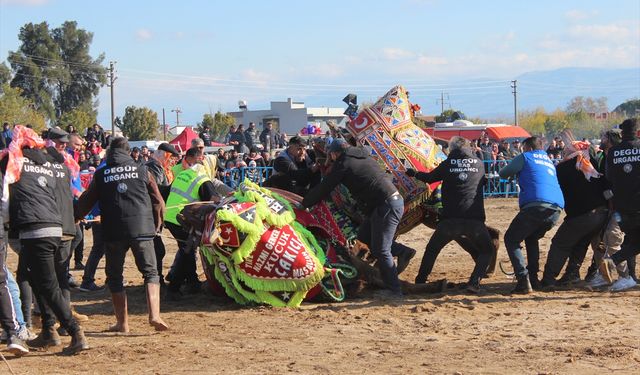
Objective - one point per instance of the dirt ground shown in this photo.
(567, 332)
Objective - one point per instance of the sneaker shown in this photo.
(535, 283)
(598, 281)
(16, 346)
(90, 287)
(25, 334)
(623, 283)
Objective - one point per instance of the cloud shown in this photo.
(432, 60)
(24, 2)
(396, 54)
(575, 15)
(143, 35)
(604, 32)
(254, 75)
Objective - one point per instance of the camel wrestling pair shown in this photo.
(259, 246)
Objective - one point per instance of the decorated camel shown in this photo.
(257, 247)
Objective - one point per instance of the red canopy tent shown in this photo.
(183, 141)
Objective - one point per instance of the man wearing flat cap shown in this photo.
(378, 199)
(295, 169)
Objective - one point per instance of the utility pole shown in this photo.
(178, 112)
(112, 80)
(164, 126)
(514, 86)
(442, 94)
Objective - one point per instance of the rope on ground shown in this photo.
(505, 272)
(7, 363)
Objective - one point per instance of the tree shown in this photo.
(588, 104)
(556, 122)
(54, 68)
(5, 75)
(138, 124)
(16, 109)
(81, 118)
(450, 115)
(533, 121)
(630, 108)
(218, 124)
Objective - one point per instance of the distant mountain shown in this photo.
(554, 89)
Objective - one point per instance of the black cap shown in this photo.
(56, 134)
(296, 140)
(168, 148)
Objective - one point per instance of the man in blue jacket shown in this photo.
(541, 202)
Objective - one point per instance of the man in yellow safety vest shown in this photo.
(195, 184)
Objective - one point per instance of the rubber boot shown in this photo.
(153, 305)
(119, 301)
(46, 338)
(78, 343)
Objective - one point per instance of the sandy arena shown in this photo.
(567, 332)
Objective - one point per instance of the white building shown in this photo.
(289, 117)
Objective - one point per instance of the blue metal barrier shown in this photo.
(497, 187)
(235, 176)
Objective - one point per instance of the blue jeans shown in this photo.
(529, 225)
(378, 231)
(96, 253)
(15, 297)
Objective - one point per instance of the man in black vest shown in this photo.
(462, 175)
(623, 171)
(132, 210)
(36, 215)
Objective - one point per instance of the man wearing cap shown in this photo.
(294, 169)
(205, 136)
(132, 212)
(623, 171)
(160, 167)
(376, 195)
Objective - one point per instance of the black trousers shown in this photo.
(39, 255)
(7, 317)
(474, 231)
(160, 251)
(184, 264)
(115, 252)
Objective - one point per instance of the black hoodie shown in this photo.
(366, 181)
(462, 176)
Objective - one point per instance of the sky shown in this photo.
(204, 56)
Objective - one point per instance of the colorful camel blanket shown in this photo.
(258, 253)
(397, 143)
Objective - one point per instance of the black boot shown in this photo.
(523, 286)
(78, 343)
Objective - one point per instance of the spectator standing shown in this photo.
(205, 135)
(251, 135)
(5, 138)
(238, 140)
(268, 138)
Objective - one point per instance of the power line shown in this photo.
(54, 61)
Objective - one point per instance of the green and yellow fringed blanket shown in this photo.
(258, 252)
